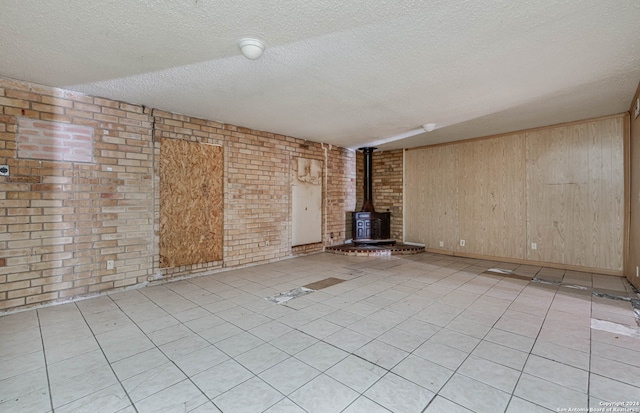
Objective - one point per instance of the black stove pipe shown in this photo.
(367, 205)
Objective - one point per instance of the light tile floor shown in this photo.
(423, 333)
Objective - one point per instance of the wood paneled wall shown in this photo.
(632, 267)
(431, 196)
(491, 209)
(575, 197)
(560, 187)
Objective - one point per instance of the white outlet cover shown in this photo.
(4, 170)
(462, 243)
(534, 246)
(441, 244)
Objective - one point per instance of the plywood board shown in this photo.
(306, 202)
(575, 194)
(431, 205)
(191, 191)
(491, 197)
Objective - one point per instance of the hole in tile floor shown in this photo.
(631, 295)
(327, 282)
(283, 297)
(507, 273)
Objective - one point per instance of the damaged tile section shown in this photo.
(615, 328)
(327, 282)
(507, 273)
(282, 298)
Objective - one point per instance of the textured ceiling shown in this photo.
(347, 73)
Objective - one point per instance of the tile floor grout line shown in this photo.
(213, 344)
(533, 345)
(437, 393)
(105, 356)
(46, 366)
(188, 377)
(380, 283)
(388, 371)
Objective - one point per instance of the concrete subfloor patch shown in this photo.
(615, 328)
(327, 282)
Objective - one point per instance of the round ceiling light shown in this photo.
(251, 48)
(429, 127)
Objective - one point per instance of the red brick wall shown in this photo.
(61, 221)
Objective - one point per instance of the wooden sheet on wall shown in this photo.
(190, 203)
(575, 201)
(431, 200)
(491, 206)
(550, 195)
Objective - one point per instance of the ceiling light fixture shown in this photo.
(429, 127)
(251, 48)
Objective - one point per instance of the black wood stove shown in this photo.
(369, 226)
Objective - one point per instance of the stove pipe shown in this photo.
(367, 205)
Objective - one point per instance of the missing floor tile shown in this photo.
(615, 328)
(612, 295)
(282, 298)
(327, 282)
(632, 297)
(507, 273)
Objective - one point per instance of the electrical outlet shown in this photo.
(4, 170)
(534, 246)
(441, 243)
(462, 243)
(110, 264)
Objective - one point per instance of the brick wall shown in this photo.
(387, 174)
(341, 194)
(54, 141)
(62, 220)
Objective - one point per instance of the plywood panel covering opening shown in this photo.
(190, 203)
